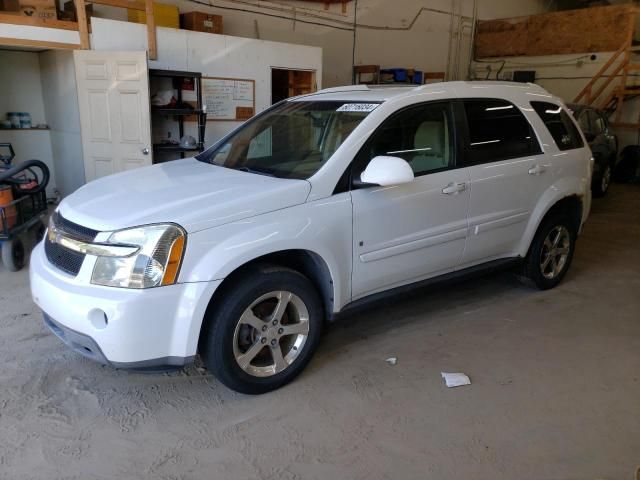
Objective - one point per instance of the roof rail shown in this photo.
(345, 88)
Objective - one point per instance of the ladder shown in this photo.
(619, 66)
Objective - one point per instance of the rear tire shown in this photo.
(263, 331)
(13, 254)
(550, 253)
(600, 184)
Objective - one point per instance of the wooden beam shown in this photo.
(19, 42)
(37, 22)
(604, 105)
(599, 74)
(627, 57)
(626, 126)
(592, 98)
(83, 29)
(131, 4)
(151, 30)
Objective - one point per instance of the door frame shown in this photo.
(313, 71)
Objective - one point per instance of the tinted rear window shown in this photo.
(560, 125)
(498, 131)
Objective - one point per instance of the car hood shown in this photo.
(191, 193)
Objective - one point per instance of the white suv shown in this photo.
(320, 202)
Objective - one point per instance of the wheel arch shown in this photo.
(306, 262)
(570, 203)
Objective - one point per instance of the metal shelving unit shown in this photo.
(180, 113)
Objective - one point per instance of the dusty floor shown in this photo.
(555, 393)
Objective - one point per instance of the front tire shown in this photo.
(551, 252)
(264, 330)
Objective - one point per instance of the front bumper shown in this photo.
(122, 327)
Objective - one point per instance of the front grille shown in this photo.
(74, 230)
(67, 260)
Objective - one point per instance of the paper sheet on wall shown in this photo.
(228, 99)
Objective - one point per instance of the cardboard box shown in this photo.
(69, 12)
(164, 15)
(11, 7)
(39, 9)
(201, 22)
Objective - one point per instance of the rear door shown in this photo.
(603, 145)
(508, 173)
(405, 233)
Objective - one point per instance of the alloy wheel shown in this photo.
(555, 252)
(271, 333)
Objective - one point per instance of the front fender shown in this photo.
(562, 188)
(323, 227)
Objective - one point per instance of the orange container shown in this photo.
(6, 197)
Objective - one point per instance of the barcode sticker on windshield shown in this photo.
(357, 107)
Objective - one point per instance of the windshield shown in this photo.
(290, 140)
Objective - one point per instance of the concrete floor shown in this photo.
(555, 392)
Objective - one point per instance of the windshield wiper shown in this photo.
(254, 170)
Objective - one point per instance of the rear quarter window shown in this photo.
(560, 125)
(497, 131)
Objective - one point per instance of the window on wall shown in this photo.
(420, 134)
(560, 125)
(497, 131)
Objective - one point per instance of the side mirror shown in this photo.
(386, 171)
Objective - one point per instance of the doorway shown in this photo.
(287, 83)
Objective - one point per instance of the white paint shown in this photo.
(44, 34)
(386, 171)
(113, 99)
(408, 232)
(423, 46)
(20, 85)
(213, 55)
(61, 107)
(22, 92)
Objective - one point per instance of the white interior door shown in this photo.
(113, 97)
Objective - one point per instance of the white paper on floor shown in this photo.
(392, 360)
(455, 379)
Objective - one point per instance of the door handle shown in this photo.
(145, 151)
(537, 169)
(454, 187)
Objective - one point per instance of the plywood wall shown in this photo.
(596, 29)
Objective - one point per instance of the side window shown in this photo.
(560, 125)
(497, 131)
(583, 121)
(597, 122)
(421, 135)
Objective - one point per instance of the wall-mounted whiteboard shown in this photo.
(229, 99)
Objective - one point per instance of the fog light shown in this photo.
(98, 318)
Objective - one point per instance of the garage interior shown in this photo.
(555, 375)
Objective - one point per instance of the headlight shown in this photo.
(155, 262)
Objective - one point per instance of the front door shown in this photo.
(113, 97)
(406, 233)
